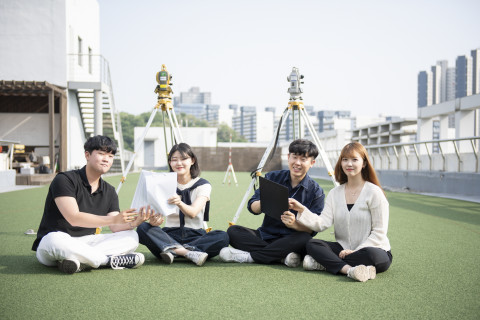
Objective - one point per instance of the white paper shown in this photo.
(154, 189)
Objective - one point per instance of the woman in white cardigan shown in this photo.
(358, 210)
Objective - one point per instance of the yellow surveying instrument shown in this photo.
(164, 102)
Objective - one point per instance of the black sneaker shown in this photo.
(129, 260)
(69, 266)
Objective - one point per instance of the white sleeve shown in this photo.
(320, 222)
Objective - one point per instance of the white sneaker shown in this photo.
(197, 257)
(372, 272)
(359, 273)
(167, 257)
(292, 260)
(229, 254)
(311, 264)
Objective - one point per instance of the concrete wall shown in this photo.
(243, 159)
(194, 136)
(33, 41)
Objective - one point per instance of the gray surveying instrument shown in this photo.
(295, 104)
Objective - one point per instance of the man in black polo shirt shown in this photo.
(280, 241)
(78, 202)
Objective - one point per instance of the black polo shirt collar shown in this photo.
(83, 175)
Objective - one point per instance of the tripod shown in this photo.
(230, 170)
(164, 102)
(294, 105)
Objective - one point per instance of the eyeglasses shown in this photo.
(179, 159)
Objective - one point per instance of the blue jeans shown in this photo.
(158, 240)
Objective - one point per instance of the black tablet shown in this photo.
(273, 198)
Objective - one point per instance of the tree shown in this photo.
(223, 134)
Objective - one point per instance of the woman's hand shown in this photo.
(156, 220)
(176, 200)
(344, 253)
(295, 205)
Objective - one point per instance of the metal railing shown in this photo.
(451, 155)
(95, 68)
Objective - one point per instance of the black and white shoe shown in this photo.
(129, 260)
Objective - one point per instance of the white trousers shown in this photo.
(91, 250)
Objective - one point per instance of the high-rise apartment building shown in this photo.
(193, 102)
(193, 96)
(333, 119)
(450, 84)
(255, 126)
(475, 54)
(424, 89)
(445, 84)
(463, 78)
(443, 79)
(436, 83)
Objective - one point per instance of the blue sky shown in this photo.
(362, 56)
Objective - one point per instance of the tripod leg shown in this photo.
(260, 166)
(322, 152)
(242, 204)
(234, 177)
(174, 123)
(137, 145)
(226, 174)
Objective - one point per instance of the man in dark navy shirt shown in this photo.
(275, 240)
(78, 202)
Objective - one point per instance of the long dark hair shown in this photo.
(368, 172)
(186, 151)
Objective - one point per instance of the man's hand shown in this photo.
(289, 220)
(143, 215)
(125, 216)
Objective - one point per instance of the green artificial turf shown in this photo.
(433, 276)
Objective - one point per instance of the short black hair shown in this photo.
(303, 147)
(186, 151)
(102, 143)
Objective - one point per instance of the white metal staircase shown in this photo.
(85, 80)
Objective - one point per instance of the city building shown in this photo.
(463, 77)
(393, 130)
(475, 54)
(193, 96)
(333, 119)
(215, 115)
(445, 84)
(425, 88)
(255, 126)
